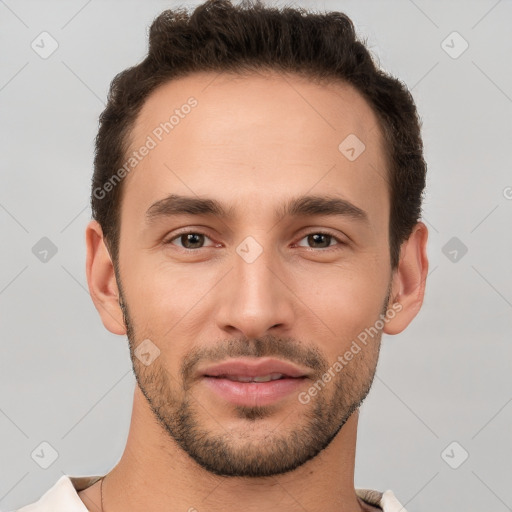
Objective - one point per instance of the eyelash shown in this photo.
(195, 232)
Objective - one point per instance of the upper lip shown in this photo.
(251, 368)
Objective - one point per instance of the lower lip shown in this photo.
(253, 393)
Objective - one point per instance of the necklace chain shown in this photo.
(101, 493)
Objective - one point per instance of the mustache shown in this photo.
(287, 349)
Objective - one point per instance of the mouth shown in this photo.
(264, 369)
(253, 392)
(259, 378)
(250, 383)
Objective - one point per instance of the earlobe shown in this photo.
(102, 281)
(409, 280)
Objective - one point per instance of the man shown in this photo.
(256, 201)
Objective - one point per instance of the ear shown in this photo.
(408, 282)
(102, 281)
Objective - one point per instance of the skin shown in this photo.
(252, 143)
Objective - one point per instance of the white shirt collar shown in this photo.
(63, 496)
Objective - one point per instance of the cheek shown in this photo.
(348, 298)
(164, 304)
(161, 293)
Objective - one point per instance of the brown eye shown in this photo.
(320, 240)
(192, 240)
(189, 240)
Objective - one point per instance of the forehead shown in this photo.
(257, 137)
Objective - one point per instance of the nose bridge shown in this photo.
(253, 272)
(255, 300)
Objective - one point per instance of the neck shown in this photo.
(155, 474)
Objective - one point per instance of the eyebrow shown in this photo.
(308, 205)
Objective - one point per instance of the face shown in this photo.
(274, 246)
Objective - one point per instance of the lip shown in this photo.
(251, 368)
(253, 393)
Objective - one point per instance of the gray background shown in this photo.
(66, 381)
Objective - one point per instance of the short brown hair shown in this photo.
(221, 37)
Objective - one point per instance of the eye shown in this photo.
(321, 240)
(189, 240)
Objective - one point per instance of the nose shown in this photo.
(256, 297)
